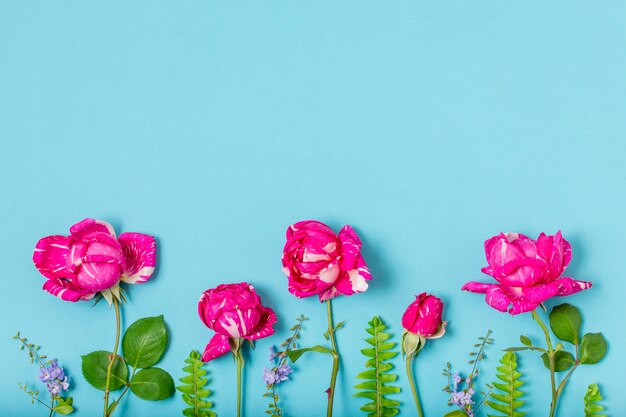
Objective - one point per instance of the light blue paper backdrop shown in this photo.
(428, 126)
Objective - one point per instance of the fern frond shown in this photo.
(193, 388)
(378, 377)
(592, 398)
(505, 400)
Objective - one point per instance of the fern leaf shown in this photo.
(378, 376)
(193, 388)
(505, 394)
(592, 398)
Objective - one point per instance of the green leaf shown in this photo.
(94, 367)
(455, 413)
(63, 409)
(63, 405)
(194, 393)
(592, 348)
(144, 342)
(565, 321)
(592, 399)
(294, 355)
(505, 394)
(563, 360)
(377, 376)
(152, 384)
(525, 340)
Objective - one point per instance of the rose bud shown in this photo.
(234, 312)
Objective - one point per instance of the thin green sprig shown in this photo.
(280, 357)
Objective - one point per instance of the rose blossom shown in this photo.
(527, 272)
(233, 311)
(92, 259)
(319, 262)
(423, 317)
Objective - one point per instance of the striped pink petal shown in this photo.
(66, 291)
(140, 253)
(217, 346)
(50, 256)
(268, 319)
(89, 226)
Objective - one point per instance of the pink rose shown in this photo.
(318, 262)
(91, 259)
(233, 311)
(527, 272)
(423, 317)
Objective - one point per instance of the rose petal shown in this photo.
(477, 287)
(66, 291)
(89, 226)
(217, 346)
(268, 319)
(140, 254)
(50, 256)
(497, 299)
(350, 248)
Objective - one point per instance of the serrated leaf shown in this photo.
(94, 367)
(565, 321)
(504, 396)
(377, 375)
(592, 400)
(194, 393)
(144, 342)
(152, 384)
(592, 348)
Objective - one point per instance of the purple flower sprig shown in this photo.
(52, 375)
(280, 370)
(461, 389)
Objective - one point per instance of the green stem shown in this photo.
(51, 408)
(416, 397)
(555, 393)
(335, 353)
(114, 356)
(240, 364)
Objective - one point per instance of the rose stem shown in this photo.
(239, 358)
(555, 395)
(114, 357)
(416, 397)
(335, 353)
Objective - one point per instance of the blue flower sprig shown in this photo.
(461, 390)
(51, 374)
(280, 370)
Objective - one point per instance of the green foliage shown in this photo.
(279, 359)
(63, 405)
(152, 384)
(144, 342)
(592, 348)
(456, 413)
(592, 398)
(506, 400)
(143, 345)
(378, 376)
(294, 355)
(193, 388)
(565, 321)
(94, 367)
(563, 360)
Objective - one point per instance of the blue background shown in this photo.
(428, 126)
